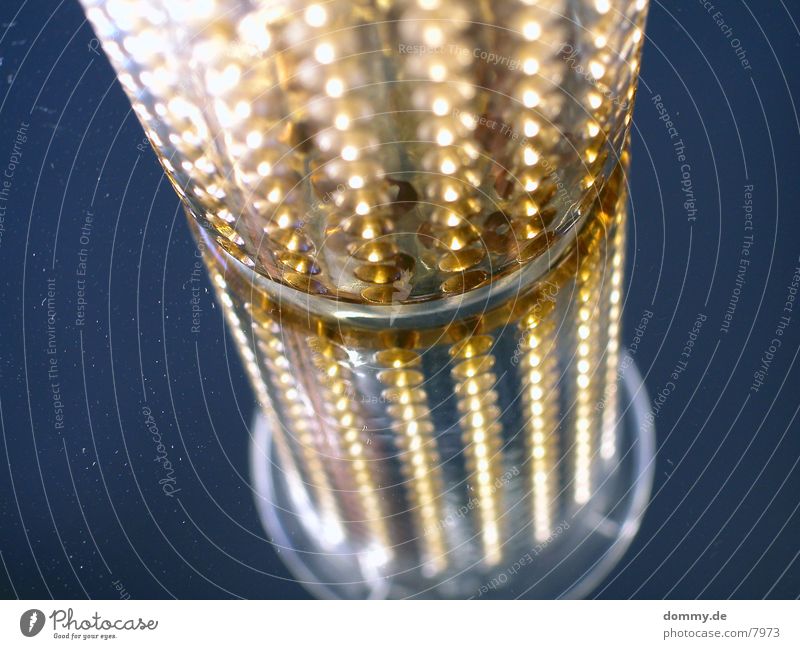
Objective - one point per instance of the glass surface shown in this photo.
(414, 216)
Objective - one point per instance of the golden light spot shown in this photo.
(437, 72)
(334, 87)
(530, 156)
(450, 194)
(341, 121)
(531, 98)
(433, 35)
(253, 30)
(531, 30)
(448, 166)
(530, 66)
(315, 15)
(444, 137)
(324, 53)
(254, 139)
(441, 106)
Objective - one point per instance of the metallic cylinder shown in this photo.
(413, 214)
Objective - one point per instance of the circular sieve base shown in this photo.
(584, 548)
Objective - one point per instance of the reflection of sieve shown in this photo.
(445, 449)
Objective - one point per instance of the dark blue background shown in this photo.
(81, 507)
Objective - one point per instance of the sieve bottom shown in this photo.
(583, 550)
